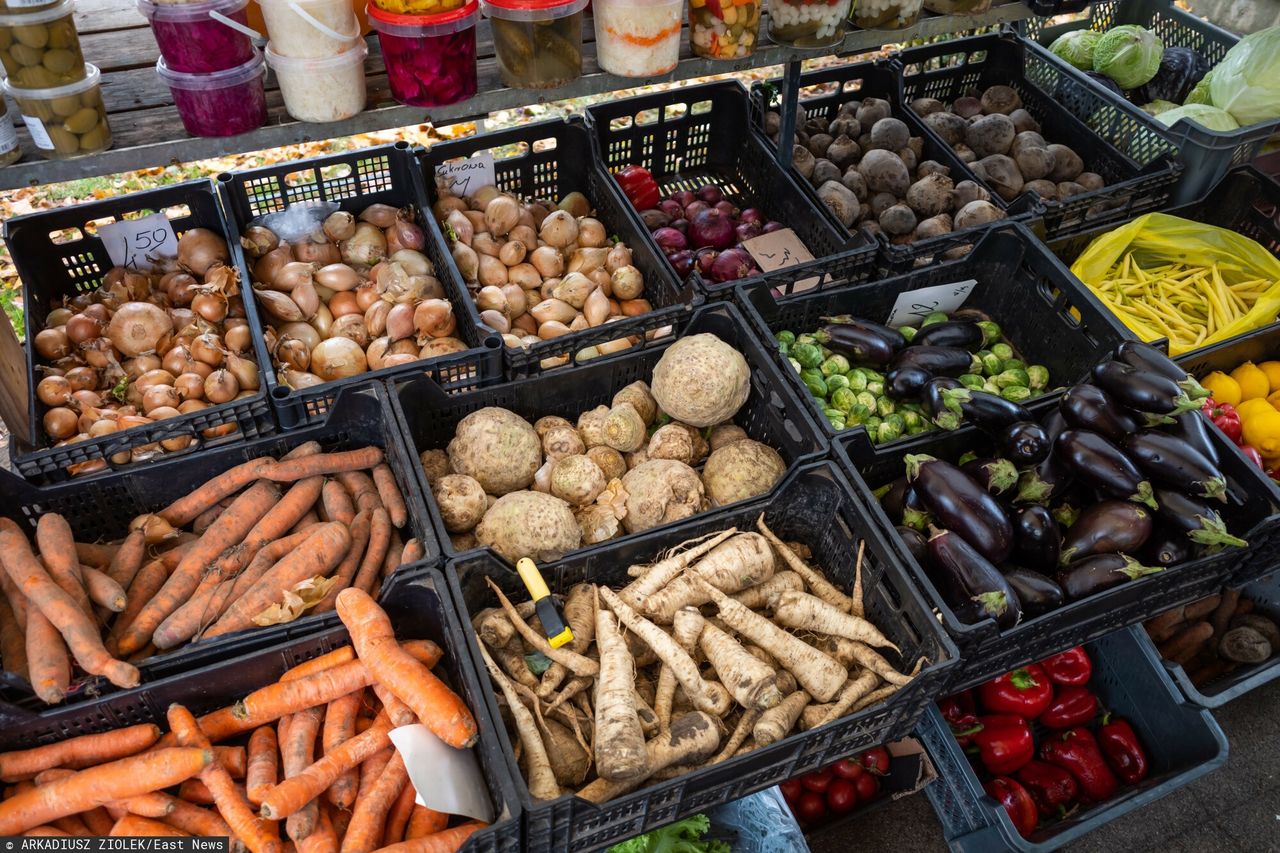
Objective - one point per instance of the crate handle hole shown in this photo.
(548, 144)
(65, 235)
(671, 112)
(647, 117)
(620, 123)
(177, 211)
(700, 108)
(336, 172)
(853, 85)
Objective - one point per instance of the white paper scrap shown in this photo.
(447, 780)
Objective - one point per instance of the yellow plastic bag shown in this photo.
(1156, 239)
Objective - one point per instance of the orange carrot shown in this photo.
(369, 817)
(310, 519)
(286, 471)
(131, 825)
(98, 821)
(57, 546)
(389, 493)
(233, 758)
(397, 712)
(205, 520)
(184, 510)
(292, 794)
(196, 791)
(437, 707)
(391, 560)
(155, 804)
(447, 841)
(47, 659)
(93, 554)
(102, 590)
(13, 637)
(339, 727)
(323, 839)
(372, 768)
(146, 583)
(412, 552)
(328, 660)
(72, 825)
(128, 558)
(77, 752)
(376, 551)
(317, 556)
(362, 489)
(345, 573)
(96, 786)
(425, 821)
(337, 503)
(298, 750)
(398, 816)
(53, 774)
(272, 526)
(194, 820)
(45, 832)
(340, 818)
(260, 774)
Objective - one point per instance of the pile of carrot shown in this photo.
(725, 644)
(258, 544)
(314, 770)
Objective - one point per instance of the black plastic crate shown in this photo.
(1251, 513)
(1182, 743)
(814, 505)
(772, 414)
(100, 508)
(354, 180)
(420, 607)
(824, 92)
(697, 134)
(1046, 314)
(550, 159)
(58, 254)
(1134, 160)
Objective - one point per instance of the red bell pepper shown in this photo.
(1224, 417)
(1071, 706)
(1122, 750)
(1251, 453)
(1026, 691)
(1004, 742)
(1054, 789)
(1071, 667)
(961, 712)
(639, 187)
(1017, 803)
(1077, 752)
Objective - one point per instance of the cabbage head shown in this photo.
(1247, 80)
(1076, 48)
(1128, 54)
(1156, 107)
(1199, 93)
(1202, 114)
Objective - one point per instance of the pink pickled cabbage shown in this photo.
(430, 71)
(202, 46)
(222, 112)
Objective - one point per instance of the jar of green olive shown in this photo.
(10, 152)
(26, 7)
(65, 121)
(41, 49)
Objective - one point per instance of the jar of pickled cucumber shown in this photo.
(724, 29)
(538, 43)
(65, 121)
(41, 50)
(886, 14)
(9, 150)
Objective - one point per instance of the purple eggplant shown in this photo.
(1024, 443)
(987, 411)
(906, 383)
(965, 334)
(1196, 430)
(1098, 463)
(1167, 546)
(1104, 528)
(1042, 483)
(1158, 397)
(860, 343)
(1144, 356)
(1171, 461)
(1037, 593)
(1037, 540)
(1072, 502)
(960, 504)
(1093, 574)
(935, 406)
(967, 576)
(1195, 517)
(903, 505)
(917, 546)
(997, 476)
(938, 361)
(888, 334)
(1087, 406)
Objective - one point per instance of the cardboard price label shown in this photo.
(464, 177)
(778, 250)
(914, 305)
(133, 243)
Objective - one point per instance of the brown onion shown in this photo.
(279, 305)
(306, 298)
(177, 360)
(339, 226)
(399, 324)
(152, 378)
(337, 277)
(366, 295)
(189, 386)
(207, 348)
(245, 372)
(86, 399)
(298, 379)
(180, 287)
(210, 306)
(351, 326)
(189, 406)
(221, 387)
(199, 249)
(441, 346)
(375, 319)
(317, 253)
(154, 528)
(365, 248)
(53, 344)
(291, 275)
(338, 358)
(323, 321)
(375, 352)
(292, 352)
(344, 303)
(54, 391)
(137, 285)
(99, 353)
(413, 261)
(496, 320)
(270, 264)
(82, 378)
(159, 395)
(304, 332)
(82, 327)
(257, 241)
(58, 317)
(381, 215)
(135, 367)
(404, 347)
(61, 423)
(433, 318)
(238, 339)
(399, 359)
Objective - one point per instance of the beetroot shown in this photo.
(670, 240)
(710, 193)
(430, 70)
(711, 228)
(731, 265)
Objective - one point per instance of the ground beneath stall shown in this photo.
(1236, 808)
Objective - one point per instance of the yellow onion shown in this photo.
(257, 241)
(366, 247)
(293, 353)
(337, 277)
(270, 264)
(245, 372)
(82, 378)
(399, 322)
(306, 298)
(207, 348)
(53, 344)
(210, 306)
(351, 326)
(339, 226)
(433, 318)
(298, 379)
(317, 253)
(238, 339)
(154, 528)
(375, 319)
(338, 358)
(379, 215)
(304, 332)
(221, 386)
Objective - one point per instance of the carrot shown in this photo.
(96, 786)
(392, 561)
(328, 660)
(339, 727)
(48, 662)
(323, 839)
(368, 818)
(13, 639)
(337, 502)
(146, 583)
(98, 821)
(127, 561)
(53, 774)
(96, 555)
(72, 825)
(205, 520)
(309, 519)
(389, 493)
(184, 510)
(325, 463)
(102, 590)
(297, 750)
(372, 768)
(155, 804)
(346, 571)
(57, 546)
(446, 841)
(233, 758)
(362, 489)
(398, 816)
(425, 821)
(292, 794)
(196, 791)
(131, 825)
(45, 832)
(77, 752)
(376, 551)
(272, 526)
(260, 774)
(258, 836)
(194, 820)
(437, 707)
(317, 556)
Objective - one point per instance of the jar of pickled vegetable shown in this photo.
(886, 14)
(957, 7)
(322, 90)
(220, 103)
(193, 41)
(23, 7)
(638, 38)
(430, 61)
(41, 50)
(538, 42)
(9, 150)
(724, 29)
(420, 8)
(310, 29)
(65, 121)
(807, 23)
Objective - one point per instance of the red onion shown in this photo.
(747, 230)
(671, 208)
(670, 240)
(682, 261)
(681, 225)
(731, 265)
(684, 198)
(771, 226)
(728, 208)
(710, 193)
(706, 257)
(752, 214)
(694, 208)
(711, 228)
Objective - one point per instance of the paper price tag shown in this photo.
(464, 177)
(446, 779)
(779, 249)
(914, 305)
(39, 135)
(133, 243)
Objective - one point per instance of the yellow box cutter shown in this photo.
(546, 605)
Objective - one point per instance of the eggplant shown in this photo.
(903, 505)
(906, 383)
(935, 406)
(1167, 546)
(1037, 593)
(1104, 81)
(1043, 483)
(1037, 540)
(938, 361)
(1196, 430)
(1181, 68)
(1143, 390)
(1196, 518)
(1104, 528)
(961, 505)
(990, 412)
(888, 334)
(1024, 443)
(1098, 463)
(893, 498)
(1144, 356)
(1072, 502)
(967, 576)
(915, 543)
(1086, 406)
(1171, 461)
(951, 333)
(997, 476)
(1054, 424)
(857, 343)
(1091, 575)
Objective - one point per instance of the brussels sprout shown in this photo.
(1076, 48)
(806, 338)
(972, 380)
(876, 386)
(1016, 376)
(887, 432)
(1014, 364)
(1016, 393)
(795, 365)
(867, 399)
(885, 406)
(857, 379)
(860, 414)
(836, 382)
(1128, 54)
(813, 380)
(935, 317)
(872, 424)
(1038, 377)
(966, 457)
(833, 365)
(785, 338)
(809, 355)
(833, 418)
(872, 375)
(908, 332)
(914, 422)
(992, 364)
(844, 399)
(1002, 351)
(991, 332)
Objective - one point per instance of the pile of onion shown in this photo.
(705, 231)
(144, 347)
(539, 270)
(357, 295)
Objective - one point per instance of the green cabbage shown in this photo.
(1202, 114)
(1157, 107)
(1076, 48)
(1200, 93)
(1247, 84)
(1128, 54)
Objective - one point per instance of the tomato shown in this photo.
(842, 796)
(791, 791)
(847, 768)
(868, 787)
(811, 808)
(876, 760)
(818, 781)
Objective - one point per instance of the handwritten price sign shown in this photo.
(134, 243)
(914, 305)
(464, 177)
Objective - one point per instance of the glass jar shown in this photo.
(194, 42)
(24, 7)
(430, 61)
(221, 103)
(41, 50)
(321, 90)
(10, 152)
(807, 23)
(724, 29)
(310, 29)
(417, 8)
(957, 7)
(886, 14)
(65, 121)
(538, 42)
(638, 38)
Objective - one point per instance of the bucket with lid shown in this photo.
(430, 59)
(195, 38)
(538, 42)
(322, 89)
(220, 103)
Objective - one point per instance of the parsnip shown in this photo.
(765, 594)
(668, 569)
(810, 613)
(691, 738)
(620, 750)
(732, 566)
(540, 776)
(571, 660)
(820, 586)
(750, 681)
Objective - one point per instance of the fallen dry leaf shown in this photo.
(304, 595)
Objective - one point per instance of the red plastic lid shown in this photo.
(394, 19)
(556, 7)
